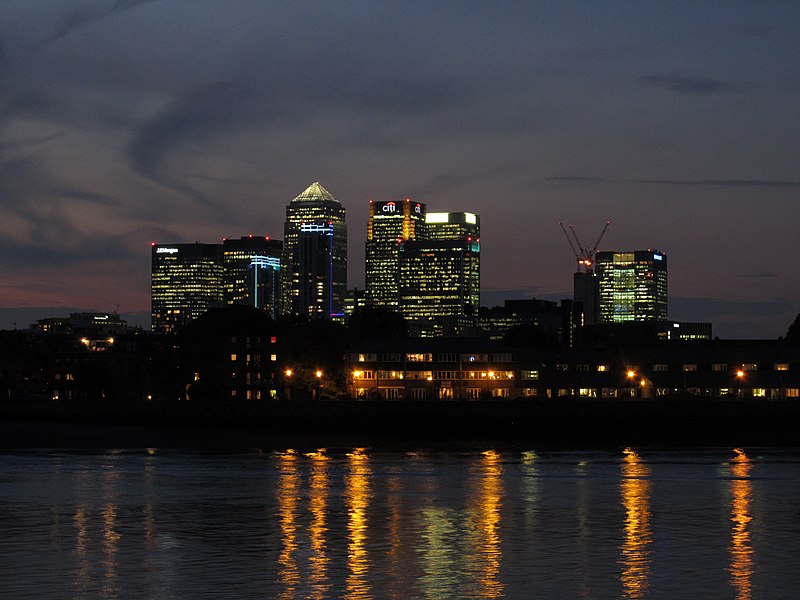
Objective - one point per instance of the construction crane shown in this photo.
(583, 255)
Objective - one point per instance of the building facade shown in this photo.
(314, 264)
(439, 276)
(390, 224)
(252, 272)
(633, 286)
(186, 280)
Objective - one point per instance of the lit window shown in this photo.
(781, 366)
(273, 357)
(749, 366)
(759, 392)
(689, 367)
(529, 375)
(602, 368)
(719, 367)
(233, 357)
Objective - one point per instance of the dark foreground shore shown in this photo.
(401, 425)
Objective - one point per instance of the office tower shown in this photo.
(633, 286)
(439, 277)
(186, 280)
(390, 224)
(252, 272)
(314, 255)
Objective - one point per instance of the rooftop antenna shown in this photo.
(583, 256)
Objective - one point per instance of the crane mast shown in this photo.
(583, 255)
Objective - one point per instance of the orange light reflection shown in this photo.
(740, 549)
(288, 573)
(357, 493)
(635, 490)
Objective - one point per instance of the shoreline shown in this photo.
(562, 423)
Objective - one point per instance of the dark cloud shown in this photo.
(192, 117)
(86, 15)
(772, 183)
(720, 182)
(675, 82)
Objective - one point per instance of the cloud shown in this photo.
(192, 116)
(675, 82)
(84, 16)
(771, 183)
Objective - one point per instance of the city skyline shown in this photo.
(127, 122)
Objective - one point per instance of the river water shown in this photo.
(632, 523)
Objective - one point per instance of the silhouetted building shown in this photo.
(633, 286)
(253, 273)
(186, 279)
(229, 354)
(315, 255)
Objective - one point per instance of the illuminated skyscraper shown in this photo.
(633, 286)
(186, 280)
(252, 272)
(390, 224)
(440, 276)
(314, 255)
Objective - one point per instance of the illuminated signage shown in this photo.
(658, 257)
(166, 250)
(315, 228)
(470, 218)
(418, 209)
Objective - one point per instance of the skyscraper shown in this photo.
(633, 286)
(314, 255)
(252, 272)
(439, 276)
(186, 280)
(390, 224)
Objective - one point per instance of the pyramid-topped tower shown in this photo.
(314, 278)
(315, 193)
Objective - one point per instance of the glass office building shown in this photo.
(633, 286)
(314, 264)
(252, 272)
(390, 224)
(186, 280)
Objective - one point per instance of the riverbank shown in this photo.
(400, 425)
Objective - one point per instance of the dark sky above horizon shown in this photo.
(129, 121)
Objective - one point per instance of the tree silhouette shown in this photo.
(793, 333)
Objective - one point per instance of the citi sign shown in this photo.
(389, 207)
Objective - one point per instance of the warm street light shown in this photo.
(740, 374)
(319, 374)
(631, 374)
(288, 372)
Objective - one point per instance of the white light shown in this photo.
(437, 218)
(166, 250)
(472, 219)
(658, 257)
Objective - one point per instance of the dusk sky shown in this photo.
(129, 121)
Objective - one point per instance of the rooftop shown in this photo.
(315, 193)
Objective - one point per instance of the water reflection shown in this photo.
(489, 501)
(318, 528)
(635, 491)
(740, 549)
(357, 493)
(288, 487)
